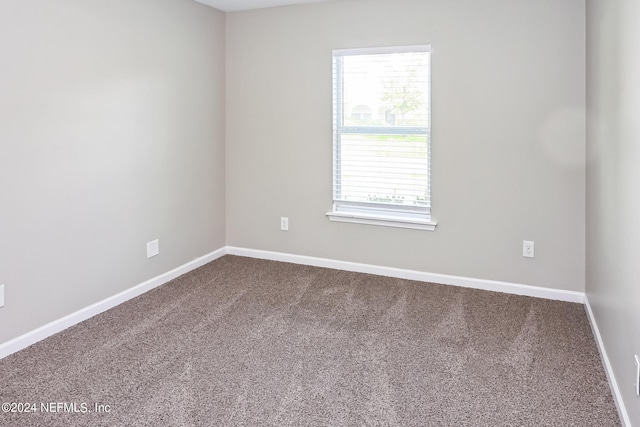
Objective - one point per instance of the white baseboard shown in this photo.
(617, 397)
(65, 322)
(466, 282)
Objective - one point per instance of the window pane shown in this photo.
(386, 90)
(387, 169)
(381, 104)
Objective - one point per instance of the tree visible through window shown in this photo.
(381, 103)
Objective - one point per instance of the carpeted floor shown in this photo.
(244, 342)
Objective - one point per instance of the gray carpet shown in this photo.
(244, 342)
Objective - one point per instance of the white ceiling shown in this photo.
(235, 5)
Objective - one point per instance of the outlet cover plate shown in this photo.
(153, 248)
(527, 249)
(2, 296)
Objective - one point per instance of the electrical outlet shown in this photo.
(637, 384)
(527, 249)
(284, 223)
(153, 248)
(2, 298)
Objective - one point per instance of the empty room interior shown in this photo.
(339, 212)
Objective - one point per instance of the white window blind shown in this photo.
(381, 133)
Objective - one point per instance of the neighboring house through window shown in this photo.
(361, 113)
(381, 136)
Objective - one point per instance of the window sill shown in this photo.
(382, 220)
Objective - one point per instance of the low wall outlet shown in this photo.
(153, 248)
(527, 248)
(284, 223)
(2, 301)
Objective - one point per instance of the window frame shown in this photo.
(372, 213)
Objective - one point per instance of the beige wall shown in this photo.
(111, 135)
(508, 134)
(613, 184)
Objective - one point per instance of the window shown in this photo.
(381, 136)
